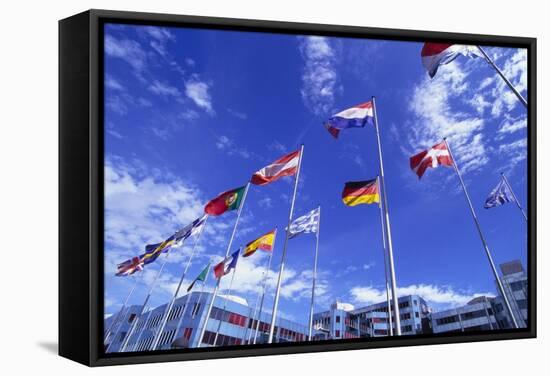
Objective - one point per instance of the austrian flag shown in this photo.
(436, 54)
(437, 155)
(284, 166)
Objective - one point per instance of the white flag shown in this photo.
(308, 223)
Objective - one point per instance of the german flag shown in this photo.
(361, 192)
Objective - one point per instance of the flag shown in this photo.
(499, 196)
(307, 223)
(201, 277)
(361, 192)
(153, 251)
(191, 229)
(437, 155)
(436, 54)
(129, 267)
(284, 166)
(354, 117)
(264, 242)
(224, 267)
(229, 200)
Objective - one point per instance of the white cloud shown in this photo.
(319, 79)
(164, 89)
(112, 83)
(199, 93)
(512, 125)
(435, 118)
(128, 50)
(229, 147)
(439, 297)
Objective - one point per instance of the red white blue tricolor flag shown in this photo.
(353, 117)
(436, 54)
(228, 264)
(433, 157)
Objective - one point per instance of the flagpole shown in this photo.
(259, 314)
(277, 291)
(485, 246)
(189, 298)
(388, 227)
(314, 276)
(249, 330)
(166, 313)
(228, 293)
(390, 321)
(203, 329)
(134, 324)
(491, 63)
(514, 195)
(120, 313)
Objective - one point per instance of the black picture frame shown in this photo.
(81, 185)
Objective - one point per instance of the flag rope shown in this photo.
(514, 195)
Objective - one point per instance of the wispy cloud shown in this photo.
(199, 92)
(319, 78)
(128, 50)
(439, 297)
(164, 89)
(229, 147)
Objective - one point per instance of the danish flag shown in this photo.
(437, 155)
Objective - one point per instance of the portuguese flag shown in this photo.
(361, 192)
(229, 200)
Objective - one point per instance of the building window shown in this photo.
(517, 286)
(132, 317)
(447, 320)
(416, 314)
(337, 319)
(337, 333)
(522, 304)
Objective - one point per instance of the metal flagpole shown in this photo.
(136, 344)
(276, 302)
(121, 312)
(314, 276)
(388, 227)
(227, 294)
(384, 250)
(166, 313)
(259, 314)
(247, 336)
(203, 329)
(487, 252)
(133, 328)
(491, 63)
(187, 302)
(514, 195)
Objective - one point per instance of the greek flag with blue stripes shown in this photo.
(499, 196)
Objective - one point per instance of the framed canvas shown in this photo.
(237, 187)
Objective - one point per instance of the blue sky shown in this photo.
(191, 113)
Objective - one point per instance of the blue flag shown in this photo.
(499, 196)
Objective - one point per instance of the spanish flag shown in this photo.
(264, 242)
(361, 192)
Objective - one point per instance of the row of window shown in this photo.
(222, 339)
(230, 317)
